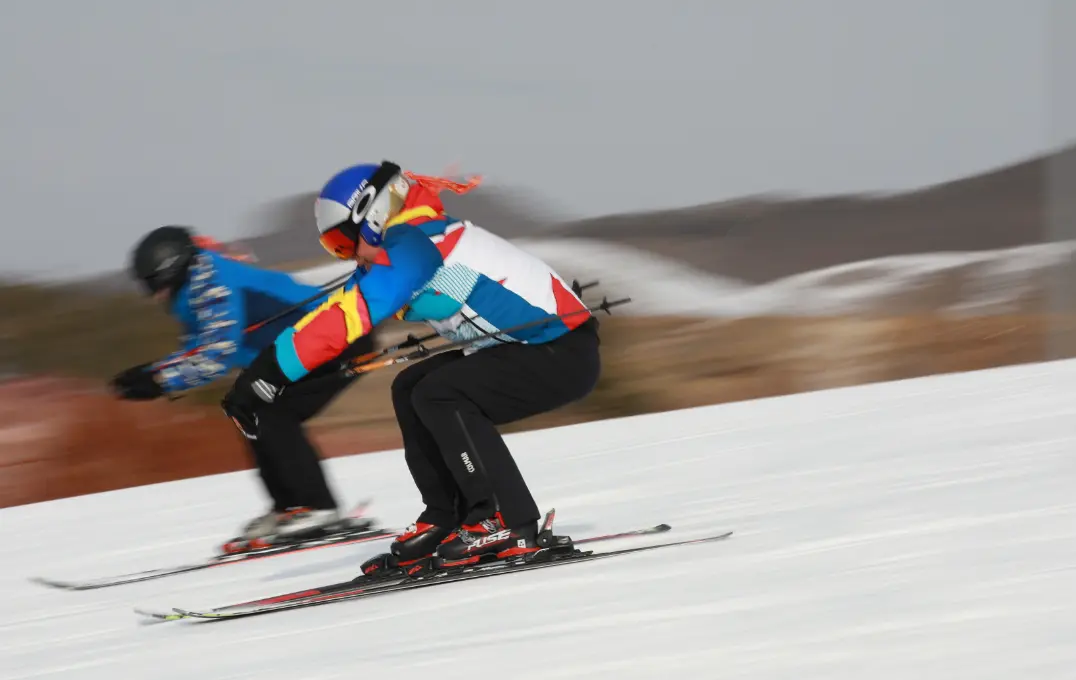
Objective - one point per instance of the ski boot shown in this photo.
(409, 554)
(491, 540)
(253, 535)
(306, 523)
(297, 526)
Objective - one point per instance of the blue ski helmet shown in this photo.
(355, 204)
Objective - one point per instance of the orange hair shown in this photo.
(439, 184)
(231, 252)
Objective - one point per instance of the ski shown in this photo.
(360, 531)
(359, 590)
(562, 552)
(368, 582)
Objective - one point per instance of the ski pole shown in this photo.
(411, 340)
(357, 366)
(327, 288)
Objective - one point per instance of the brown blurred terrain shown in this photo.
(66, 437)
(61, 435)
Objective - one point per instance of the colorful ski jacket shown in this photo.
(222, 297)
(453, 275)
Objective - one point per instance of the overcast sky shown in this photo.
(117, 116)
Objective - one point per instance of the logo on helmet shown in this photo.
(167, 263)
(361, 200)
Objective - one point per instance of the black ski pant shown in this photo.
(287, 461)
(448, 407)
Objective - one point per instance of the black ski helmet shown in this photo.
(163, 257)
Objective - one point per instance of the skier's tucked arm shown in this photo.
(205, 356)
(354, 311)
(326, 332)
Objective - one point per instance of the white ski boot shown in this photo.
(295, 526)
(260, 527)
(254, 534)
(306, 523)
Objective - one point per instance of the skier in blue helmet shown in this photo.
(230, 310)
(417, 263)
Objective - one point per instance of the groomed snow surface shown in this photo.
(922, 529)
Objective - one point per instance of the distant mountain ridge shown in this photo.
(768, 238)
(757, 239)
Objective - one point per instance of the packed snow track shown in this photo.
(923, 529)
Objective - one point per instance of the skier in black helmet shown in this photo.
(221, 301)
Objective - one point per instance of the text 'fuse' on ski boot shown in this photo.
(491, 541)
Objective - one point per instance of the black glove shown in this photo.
(137, 384)
(260, 384)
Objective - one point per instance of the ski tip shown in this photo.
(50, 583)
(158, 617)
(662, 528)
(716, 537)
(83, 585)
(187, 614)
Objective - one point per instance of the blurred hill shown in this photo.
(761, 239)
(287, 226)
(755, 239)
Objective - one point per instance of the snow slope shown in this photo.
(980, 282)
(923, 529)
